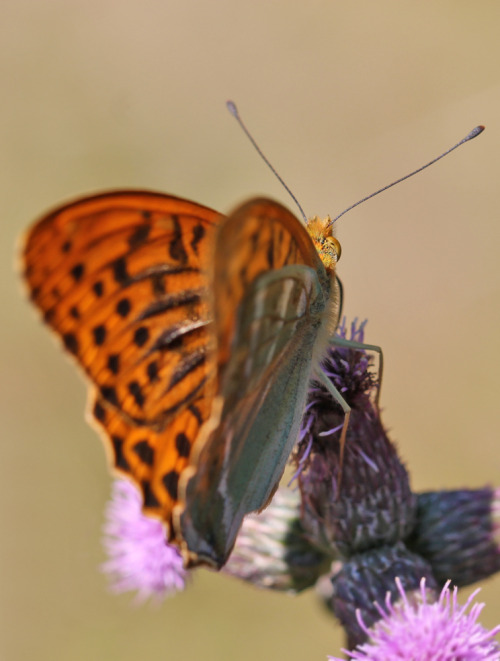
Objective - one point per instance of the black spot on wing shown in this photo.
(70, 342)
(98, 288)
(139, 236)
(141, 336)
(77, 272)
(171, 483)
(99, 412)
(135, 390)
(145, 452)
(99, 333)
(182, 444)
(198, 234)
(176, 247)
(114, 363)
(120, 273)
(150, 500)
(123, 307)
(152, 371)
(109, 394)
(120, 460)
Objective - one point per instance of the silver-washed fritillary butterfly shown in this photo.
(198, 333)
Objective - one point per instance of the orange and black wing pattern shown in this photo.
(122, 278)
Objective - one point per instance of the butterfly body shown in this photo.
(199, 334)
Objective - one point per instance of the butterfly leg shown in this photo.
(351, 344)
(320, 376)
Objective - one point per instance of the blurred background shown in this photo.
(343, 98)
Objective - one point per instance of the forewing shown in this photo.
(122, 278)
(270, 292)
(259, 237)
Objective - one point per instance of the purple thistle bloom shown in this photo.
(139, 557)
(457, 533)
(378, 527)
(375, 505)
(365, 579)
(349, 369)
(418, 627)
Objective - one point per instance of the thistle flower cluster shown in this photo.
(380, 556)
(139, 558)
(417, 628)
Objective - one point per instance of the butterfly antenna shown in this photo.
(475, 132)
(231, 106)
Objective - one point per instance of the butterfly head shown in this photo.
(321, 232)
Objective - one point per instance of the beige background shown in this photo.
(343, 97)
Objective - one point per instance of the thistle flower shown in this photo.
(380, 529)
(457, 533)
(417, 626)
(375, 504)
(365, 580)
(139, 557)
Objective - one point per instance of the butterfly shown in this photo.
(199, 334)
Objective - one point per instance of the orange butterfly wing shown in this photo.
(260, 236)
(122, 278)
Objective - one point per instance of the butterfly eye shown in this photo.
(332, 244)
